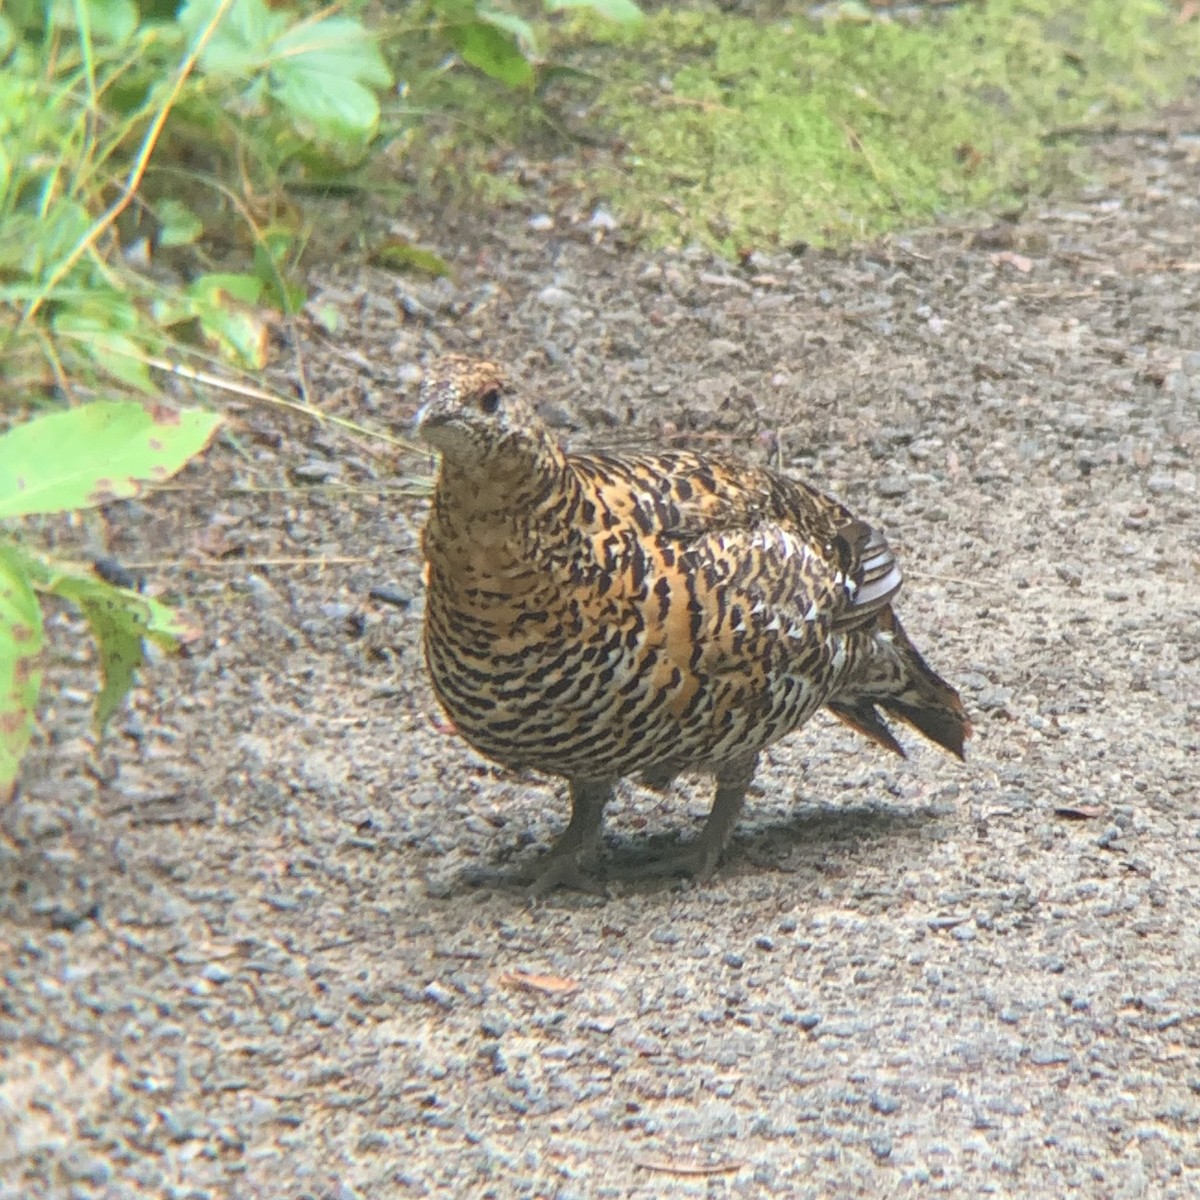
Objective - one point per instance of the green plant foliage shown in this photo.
(21, 637)
(136, 132)
(68, 460)
(503, 45)
(121, 621)
(178, 224)
(321, 72)
(399, 254)
(622, 11)
(106, 450)
(89, 94)
(784, 131)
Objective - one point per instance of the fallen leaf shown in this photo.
(399, 254)
(548, 985)
(1012, 259)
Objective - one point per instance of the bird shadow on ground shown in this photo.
(813, 837)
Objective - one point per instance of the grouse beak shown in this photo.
(418, 419)
(425, 420)
(429, 422)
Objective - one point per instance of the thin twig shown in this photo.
(255, 393)
(666, 1166)
(414, 489)
(971, 583)
(182, 564)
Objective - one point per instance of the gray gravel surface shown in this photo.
(245, 949)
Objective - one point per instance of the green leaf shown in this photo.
(510, 23)
(492, 51)
(320, 72)
(337, 46)
(624, 11)
(38, 241)
(21, 637)
(239, 48)
(217, 285)
(98, 452)
(237, 331)
(273, 248)
(399, 254)
(113, 351)
(334, 108)
(328, 317)
(178, 225)
(120, 620)
(110, 21)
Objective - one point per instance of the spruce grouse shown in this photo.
(595, 616)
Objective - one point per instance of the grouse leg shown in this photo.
(563, 863)
(699, 859)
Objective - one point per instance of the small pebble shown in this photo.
(494, 1026)
(315, 471)
(439, 995)
(388, 593)
(1046, 1056)
(554, 297)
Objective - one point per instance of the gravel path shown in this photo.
(246, 951)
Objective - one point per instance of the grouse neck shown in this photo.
(529, 478)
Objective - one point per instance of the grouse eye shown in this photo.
(489, 402)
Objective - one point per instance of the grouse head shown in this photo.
(473, 416)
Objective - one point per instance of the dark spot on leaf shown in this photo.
(162, 414)
(12, 722)
(25, 667)
(104, 491)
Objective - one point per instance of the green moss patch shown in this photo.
(743, 132)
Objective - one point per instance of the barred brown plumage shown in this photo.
(594, 616)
